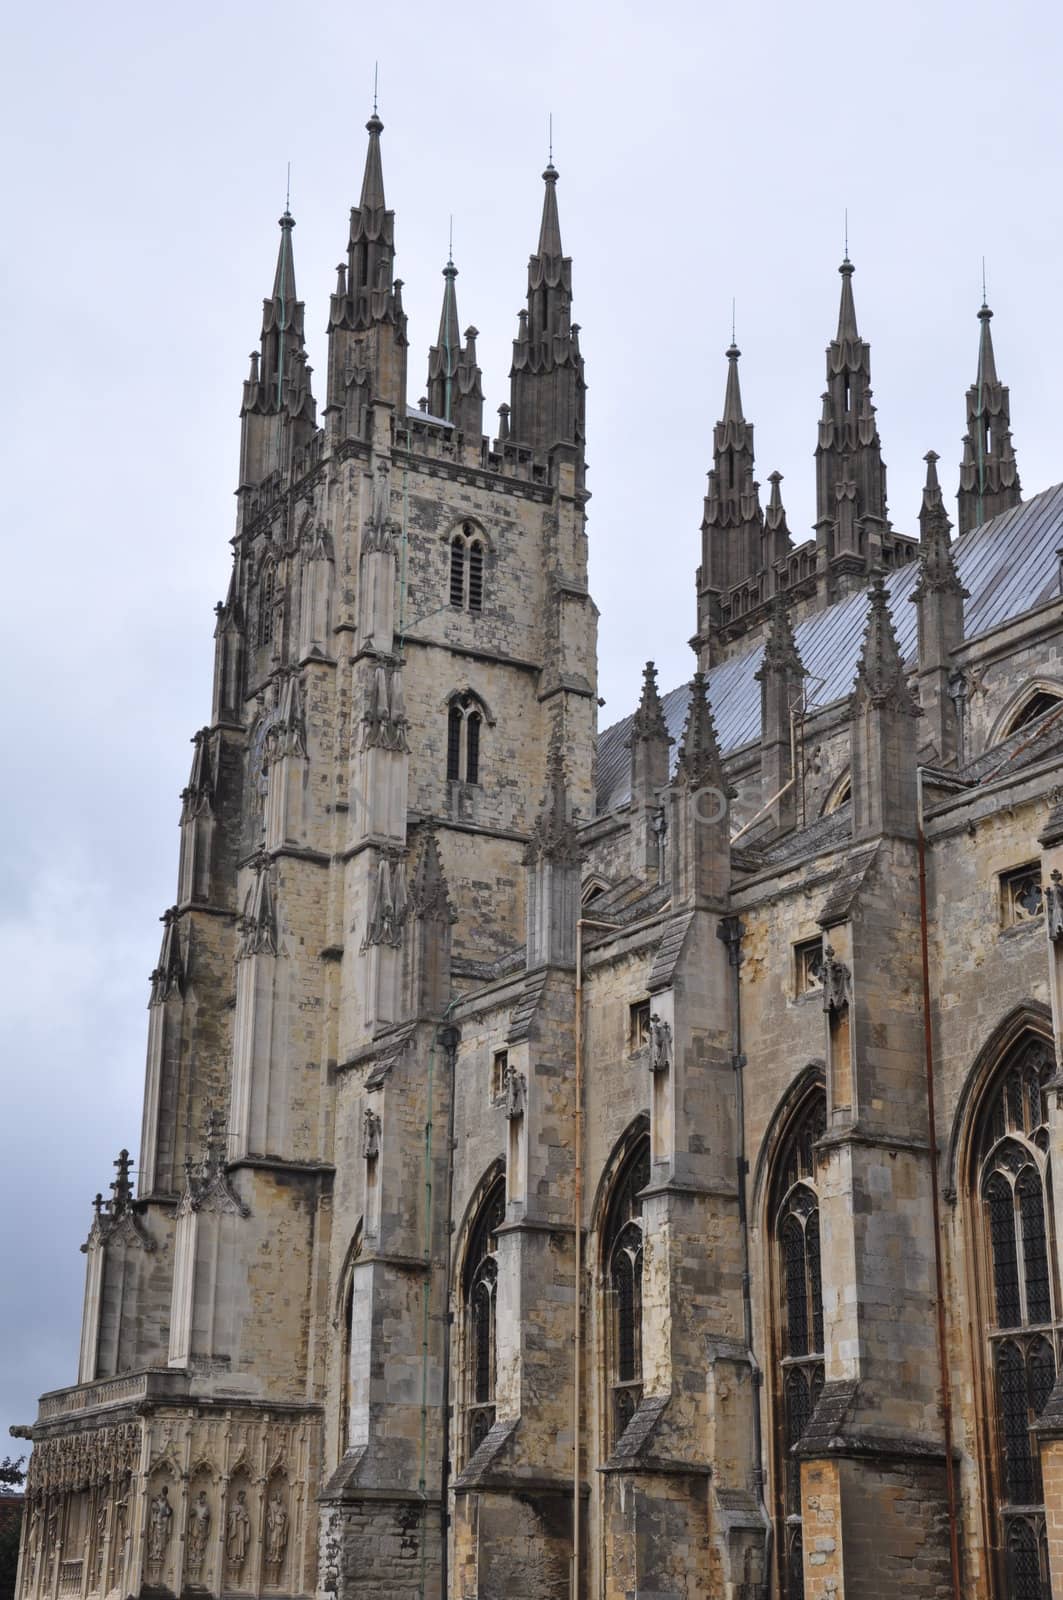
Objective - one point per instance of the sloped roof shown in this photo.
(1009, 565)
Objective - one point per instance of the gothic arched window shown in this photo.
(1020, 1311)
(794, 1213)
(622, 1285)
(479, 1281)
(467, 569)
(464, 723)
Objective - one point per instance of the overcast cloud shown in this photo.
(705, 151)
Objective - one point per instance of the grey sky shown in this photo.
(705, 151)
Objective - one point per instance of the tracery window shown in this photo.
(794, 1212)
(479, 1283)
(467, 569)
(464, 725)
(1010, 1182)
(622, 1239)
(1040, 701)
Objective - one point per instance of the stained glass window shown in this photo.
(1011, 1177)
(479, 1284)
(622, 1261)
(795, 1213)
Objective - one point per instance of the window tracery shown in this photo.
(464, 725)
(622, 1252)
(479, 1286)
(794, 1212)
(1010, 1181)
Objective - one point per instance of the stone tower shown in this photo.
(407, 633)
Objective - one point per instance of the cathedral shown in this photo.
(588, 1164)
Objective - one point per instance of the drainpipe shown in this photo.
(577, 1220)
(731, 930)
(939, 1269)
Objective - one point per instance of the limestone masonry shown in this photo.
(572, 1164)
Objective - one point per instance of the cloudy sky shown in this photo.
(707, 151)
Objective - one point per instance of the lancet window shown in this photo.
(798, 1323)
(1010, 1182)
(465, 720)
(479, 1284)
(267, 595)
(622, 1240)
(467, 569)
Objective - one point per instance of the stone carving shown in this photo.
(101, 1538)
(237, 1535)
(83, 1460)
(516, 1093)
(276, 1534)
(207, 1186)
(160, 1526)
(660, 1045)
(198, 1534)
(370, 1134)
(384, 720)
(1054, 905)
(837, 982)
(387, 905)
(377, 535)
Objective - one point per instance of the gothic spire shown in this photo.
(847, 329)
(937, 565)
(550, 227)
(780, 649)
(455, 385)
(372, 196)
(880, 677)
(648, 721)
(851, 512)
(280, 379)
(700, 762)
(367, 325)
(989, 475)
(546, 377)
(733, 521)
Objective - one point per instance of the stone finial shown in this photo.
(937, 566)
(775, 513)
(780, 650)
(648, 721)
(554, 837)
(847, 329)
(880, 677)
(700, 763)
(121, 1188)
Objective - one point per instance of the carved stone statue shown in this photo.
(370, 1135)
(276, 1532)
(238, 1534)
(160, 1526)
(516, 1093)
(660, 1045)
(101, 1540)
(198, 1533)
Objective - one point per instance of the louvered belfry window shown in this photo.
(465, 720)
(622, 1282)
(799, 1321)
(467, 569)
(1022, 1340)
(479, 1284)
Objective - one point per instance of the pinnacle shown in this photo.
(937, 564)
(847, 310)
(553, 837)
(284, 277)
(649, 720)
(775, 515)
(732, 400)
(780, 650)
(987, 364)
(550, 227)
(699, 751)
(429, 896)
(880, 672)
(373, 179)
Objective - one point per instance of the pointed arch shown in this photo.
(1003, 1175)
(1032, 700)
(1030, 1017)
(790, 1202)
(468, 548)
(478, 1280)
(618, 1208)
(466, 715)
(839, 792)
